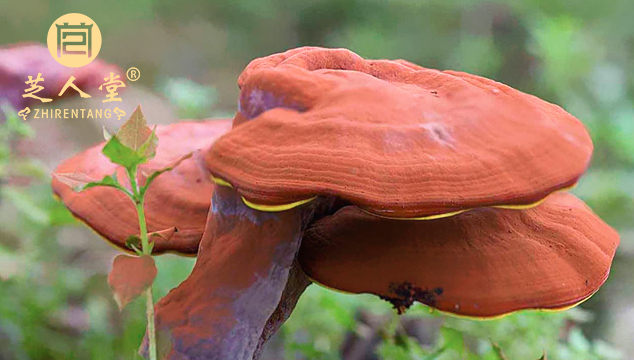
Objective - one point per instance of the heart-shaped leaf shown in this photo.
(134, 132)
(130, 277)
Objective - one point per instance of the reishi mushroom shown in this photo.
(322, 132)
(179, 198)
(481, 263)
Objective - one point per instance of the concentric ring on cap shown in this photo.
(482, 263)
(393, 138)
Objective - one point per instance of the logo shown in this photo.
(74, 40)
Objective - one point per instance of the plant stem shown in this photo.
(145, 248)
(145, 244)
(150, 323)
(137, 196)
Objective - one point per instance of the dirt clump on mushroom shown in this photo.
(405, 294)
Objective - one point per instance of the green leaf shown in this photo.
(150, 247)
(122, 155)
(108, 180)
(148, 148)
(134, 242)
(79, 182)
(152, 176)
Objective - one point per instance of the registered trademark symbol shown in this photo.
(133, 74)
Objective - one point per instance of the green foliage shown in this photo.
(58, 311)
(317, 328)
(12, 129)
(52, 309)
(191, 100)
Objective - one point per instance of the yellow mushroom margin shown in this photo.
(468, 317)
(283, 207)
(261, 207)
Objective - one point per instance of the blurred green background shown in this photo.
(54, 300)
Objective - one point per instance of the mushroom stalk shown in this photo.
(243, 287)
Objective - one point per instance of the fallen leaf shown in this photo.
(130, 277)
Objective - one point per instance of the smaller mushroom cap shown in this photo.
(482, 263)
(179, 198)
(396, 139)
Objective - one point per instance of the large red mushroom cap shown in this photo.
(393, 138)
(179, 198)
(482, 263)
